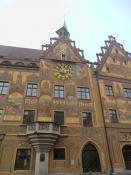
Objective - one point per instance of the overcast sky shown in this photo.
(30, 23)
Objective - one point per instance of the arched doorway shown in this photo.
(90, 159)
(127, 156)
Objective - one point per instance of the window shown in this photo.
(59, 117)
(127, 92)
(6, 63)
(113, 116)
(32, 65)
(83, 93)
(19, 63)
(87, 119)
(29, 116)
(31, 90)
(23, 157)
(109, 90)
(63, 56)
(1, 113)
(4, 87)
(59, 154)
(59, 91)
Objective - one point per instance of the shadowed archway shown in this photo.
(90, 159)
(127, 156)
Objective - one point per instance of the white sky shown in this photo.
(30, 23)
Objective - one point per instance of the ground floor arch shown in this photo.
(90, 159)
(126, 150)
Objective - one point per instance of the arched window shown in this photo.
(19, 63)
(6, 63)
(127, 156)
(32, 65)
(90, 159)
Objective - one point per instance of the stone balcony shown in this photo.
(43, 135)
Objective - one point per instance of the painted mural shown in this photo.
(72, 106)
(45, 105)
(71, 100)
(124, 108)
(46, 87)
(81, 70)
(13, 109)
(69, 52)
(5, 75)
(120, 70)
(33, 78)
(46, 68)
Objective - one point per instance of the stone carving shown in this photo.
(126, 137)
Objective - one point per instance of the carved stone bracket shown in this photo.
(125, 136)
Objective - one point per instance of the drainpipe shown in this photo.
(106, 135)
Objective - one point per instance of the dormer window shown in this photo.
(63, 56)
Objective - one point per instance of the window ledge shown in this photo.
(59, 98)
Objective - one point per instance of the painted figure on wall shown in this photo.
(45, 103)
(15, 101)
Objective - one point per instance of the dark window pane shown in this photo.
(59, 117)
(23, 157)
(59, 154)
(29, 116)
(87, 119)
(113, 116)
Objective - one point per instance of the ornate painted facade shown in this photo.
(62, 114)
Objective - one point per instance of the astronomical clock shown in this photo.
(63, 71)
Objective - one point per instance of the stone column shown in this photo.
(41, 163)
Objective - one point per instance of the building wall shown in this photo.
(116, 73)
(107, 137)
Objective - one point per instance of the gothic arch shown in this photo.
(126, 152)
(90, 158)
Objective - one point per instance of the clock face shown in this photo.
(63, 71)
